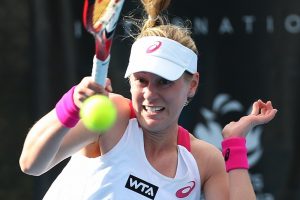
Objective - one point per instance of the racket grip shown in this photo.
(100, 70)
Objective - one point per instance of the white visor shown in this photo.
(161, 56)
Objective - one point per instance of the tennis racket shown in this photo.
(100, 18)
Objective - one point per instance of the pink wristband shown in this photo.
(66, 110)
(235, 153)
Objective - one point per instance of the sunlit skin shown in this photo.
(158, 102)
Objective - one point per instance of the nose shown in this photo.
(150, 92)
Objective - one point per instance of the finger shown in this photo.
(108, 86)
(85, 93)
(260, 102)
(90, 88)
(255, 108)
(264, 107)
(263, 110)
(89, 82)
(94, 86)
(269, 105)
(263, 119)
(270, 115)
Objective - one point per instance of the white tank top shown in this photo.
(124, 173)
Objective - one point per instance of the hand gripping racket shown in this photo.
(100, 18)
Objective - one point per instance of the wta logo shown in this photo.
(142, 187)
(154, 47)
(186, 191)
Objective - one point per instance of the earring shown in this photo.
(188, 100)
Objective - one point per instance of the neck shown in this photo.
(157, 142)
(161, 150)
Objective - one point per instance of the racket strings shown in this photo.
(100, 7)
(104, 13)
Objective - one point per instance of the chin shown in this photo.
(153, 125)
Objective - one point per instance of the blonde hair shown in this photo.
(155, 24)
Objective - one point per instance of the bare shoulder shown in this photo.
(118, 98)
(121, 103)
(113, 136)
(203, 149)
(208, 157)
(123, 108)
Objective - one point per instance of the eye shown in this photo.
(165, 82)
(141, 80)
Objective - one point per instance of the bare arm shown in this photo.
(215, 183)
(210, 161)
(240, 186)
(235, 184)
(41, 144)
(49, 142)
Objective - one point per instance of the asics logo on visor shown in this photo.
(153, 47)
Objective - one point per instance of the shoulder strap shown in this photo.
(183, 137)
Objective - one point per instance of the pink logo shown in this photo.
(185, 191)
(153, 47)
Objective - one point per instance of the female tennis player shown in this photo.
(146, 154)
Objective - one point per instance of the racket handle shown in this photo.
(100, 70)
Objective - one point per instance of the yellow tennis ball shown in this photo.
(98, 113)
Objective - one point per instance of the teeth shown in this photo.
(153, 108)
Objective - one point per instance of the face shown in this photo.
(158, 102)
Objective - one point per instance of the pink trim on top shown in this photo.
(184, 138)
(183, 135)
(132, 113)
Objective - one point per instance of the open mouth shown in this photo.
(153, 109)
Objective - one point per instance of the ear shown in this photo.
(194, 84)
